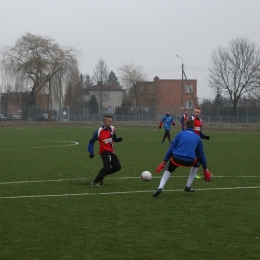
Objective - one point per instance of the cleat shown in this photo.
(157, 193)
(197, 176)
(94, 185)
(189, 189)
(162, 142)
(101, 181)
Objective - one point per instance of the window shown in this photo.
(188, 89)
(189, 105)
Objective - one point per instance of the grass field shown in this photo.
(49, 211)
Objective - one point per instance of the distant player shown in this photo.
(185, 150)
(166, 121)
(184, 118)
(106, 135)
(198, 124)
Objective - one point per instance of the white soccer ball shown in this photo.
(146, 176)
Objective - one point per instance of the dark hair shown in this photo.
(189, 123)
(107, 116)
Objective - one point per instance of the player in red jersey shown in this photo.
(184, 118)
(106, 135)
(198, 124)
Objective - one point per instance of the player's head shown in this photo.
(197, 111)
(167, 112)
(189, 123)
(186, 112)
(107, 120)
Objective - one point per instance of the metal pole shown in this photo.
(182, 68)
(60, 112)
(81, 96)
(182, 72)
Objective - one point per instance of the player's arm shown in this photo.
(171, 148)
(117, 139)
(167, 157)
(202, 136)
(200, 154)
(91, 144)
(203, 161)
(161, 123)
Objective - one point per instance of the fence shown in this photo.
(247, 114)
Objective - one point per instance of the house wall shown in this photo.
(166, 94)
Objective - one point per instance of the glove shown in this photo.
(207, 175)
(207, 137)
(160, 167)
(173, 123)
(160, 126)
(120, 139)
(91, 155)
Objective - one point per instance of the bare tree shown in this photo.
(100, 76)
(235, 69)
(39, 63)
(130, 74)
(101, 72)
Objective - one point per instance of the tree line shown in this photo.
(38, 65)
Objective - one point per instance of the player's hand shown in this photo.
(173, 123)
(91, 155)
(207, 175)
(120, 139)
(160, 126)
(207, 137)
(161, 166)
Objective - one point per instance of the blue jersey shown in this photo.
(187, 146)
(167, 121)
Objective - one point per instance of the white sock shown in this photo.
(193, 172)
(164, 179)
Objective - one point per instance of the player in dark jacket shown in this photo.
(106, 135)
(185, 150)
(184, 118)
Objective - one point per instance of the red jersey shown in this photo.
(106, 138)
(198, 123)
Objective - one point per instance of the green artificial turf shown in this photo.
(49, 211)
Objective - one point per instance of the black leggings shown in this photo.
(109, 159)
(166, 134)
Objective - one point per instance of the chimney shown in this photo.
(156, 78)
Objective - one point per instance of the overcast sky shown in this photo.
(148, 33)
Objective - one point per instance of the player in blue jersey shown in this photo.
(166, 121)
(185, 150)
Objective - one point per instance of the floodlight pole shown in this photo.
(182, 71)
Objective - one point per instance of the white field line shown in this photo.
(120, 178)
(71, 143)
(121, 192)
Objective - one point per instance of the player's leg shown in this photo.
(115, 163)
(193, 172)
(164, 136)
(168, 136)
(106, 158)
(166, 175)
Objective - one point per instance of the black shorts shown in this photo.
(175, 163)
(167, 132)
